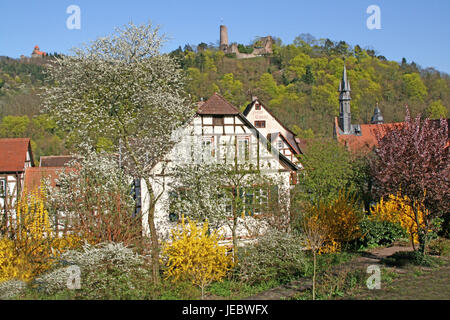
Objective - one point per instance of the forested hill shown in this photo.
(298, 82)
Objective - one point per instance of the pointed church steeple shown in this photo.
(377, 117)
(345, 116)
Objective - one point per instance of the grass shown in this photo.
(415, 282)
(235, 290)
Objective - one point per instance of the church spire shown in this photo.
(344, 103)
(377, 117)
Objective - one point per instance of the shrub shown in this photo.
(401, 210)
(33, 246)
(11, 288)
(96, 192)
(403, 258)
(245, 49)
(440, 247)
(276, 256)
(378, 233)
(108, 271)
(341, 218)
(195, 255)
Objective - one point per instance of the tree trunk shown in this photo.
(233, 231)
(314, 276)
(420, 231)
(153, 234)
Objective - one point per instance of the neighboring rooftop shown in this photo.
(217, 105)
(13, 154)
(35, 176)
(56, 161)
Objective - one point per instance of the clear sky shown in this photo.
(418, 30)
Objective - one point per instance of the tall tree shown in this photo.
(121, 87)
(414, 157)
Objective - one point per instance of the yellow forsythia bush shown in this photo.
(400, 209)
(195, 255)
(340, 218)
(31, 246)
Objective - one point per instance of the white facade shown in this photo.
(225, 138)
(269, 126)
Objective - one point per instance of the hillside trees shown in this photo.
(121, 88)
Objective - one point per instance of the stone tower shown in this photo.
(223, 38)
(345, 116)
(377, 117)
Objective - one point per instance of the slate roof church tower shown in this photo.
(345, 116)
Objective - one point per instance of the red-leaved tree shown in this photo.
(414, 158)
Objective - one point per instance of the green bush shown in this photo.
(404, 258)
(276, 255)
(439, 247)
(378, 233)
(109, 271)
(245, 49)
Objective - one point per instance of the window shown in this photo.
(218, 121)
(280, 145)
(2, 187)
(257, 106)
(207, 148)
(260, 124)
(243, 149)
(174, 197)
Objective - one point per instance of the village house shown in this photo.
(217, 126)
(16, 157)
(274, 130)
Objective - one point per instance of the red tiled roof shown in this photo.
(34, 177)
(217, 105)
(13, 154)
(56, 161)
(370, 134)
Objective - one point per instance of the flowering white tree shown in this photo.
(121, 90)
(93, 200)
(228, 195)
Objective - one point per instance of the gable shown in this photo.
(224, 133)
(15, 155)
(256, 113)
(217, 105)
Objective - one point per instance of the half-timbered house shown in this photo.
(15, 157)
(219, 131)
(273, 129)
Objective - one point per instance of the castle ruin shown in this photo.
(261, 47)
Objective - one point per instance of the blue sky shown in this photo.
(416, 30)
